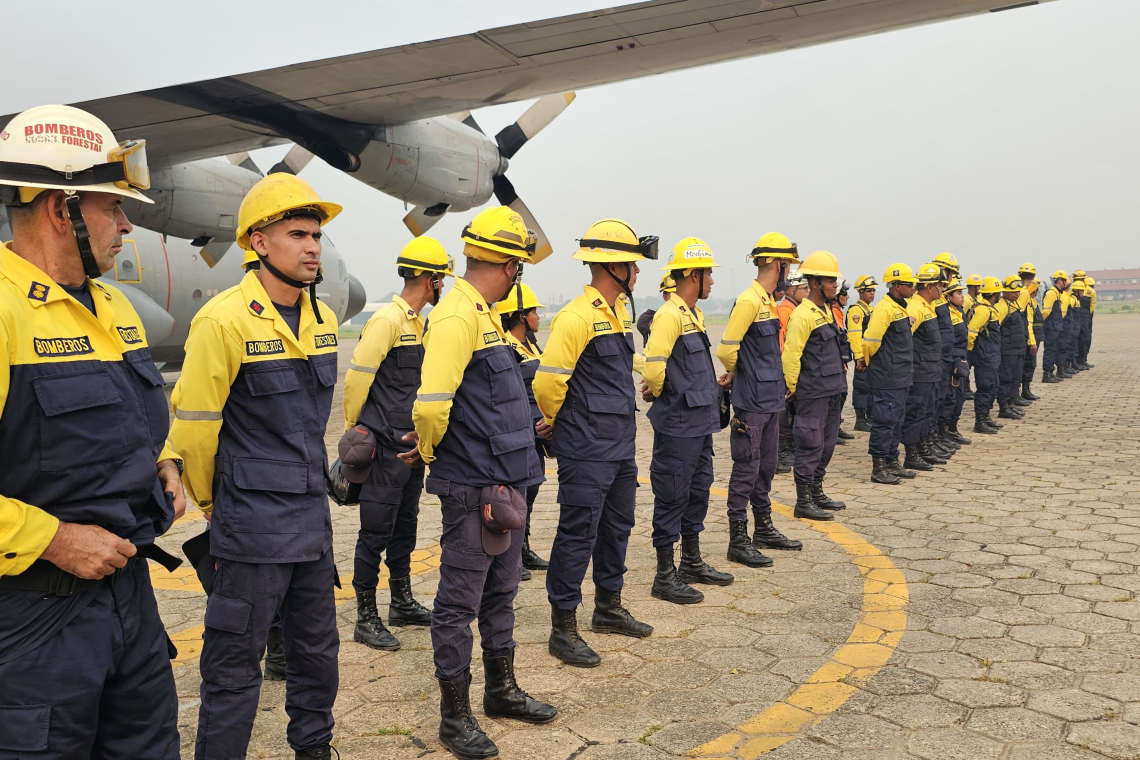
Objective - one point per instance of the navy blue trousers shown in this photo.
(950, 408)
(889, 413)
(681, 474)
(945, 404)
(244, 601)
(472, 584)
(816, 429)
(596, 503)
(1009, 376)
(754, 455)
(860, 391)
(919, 408)
(389, 518)
(1029, 366)
(100, 688)
(986, 378)
(1084, 338)
(1053, 354)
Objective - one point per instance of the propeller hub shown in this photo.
(504, 164)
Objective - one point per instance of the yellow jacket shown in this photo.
(753, 305)
(886, 312)
(857, 316)
(395, 324)
(805, 318)
(1054, 297)
(670, 322)
(983, 315)
(572, 329)
(1003, 308)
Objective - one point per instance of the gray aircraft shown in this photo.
(382, 116)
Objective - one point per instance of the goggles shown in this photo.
(646, 246)
(126, 169)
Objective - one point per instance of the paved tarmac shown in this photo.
(985, 610)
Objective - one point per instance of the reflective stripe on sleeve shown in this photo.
(655, 359)
(730, 342)
(182, 414)
(555, 370)
(365, 370)
(429, 397)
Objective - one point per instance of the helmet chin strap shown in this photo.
(82, 236)
(624, 283)
(312, 286)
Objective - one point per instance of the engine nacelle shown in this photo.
(432, 161)
(198, 201)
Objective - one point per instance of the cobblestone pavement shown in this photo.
(985, 610)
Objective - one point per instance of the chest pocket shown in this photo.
(82, 419)
(503, 383)
(765, 335)
(150, 384)
(827, 350)
(274, 404)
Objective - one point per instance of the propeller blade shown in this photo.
(506, 195)
(536, 118)
(244, 161)
(295, 160)
(465, 117)
(422, 218)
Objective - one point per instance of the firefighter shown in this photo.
(1016, 341)
(379, 390)
(948, 263)
(960, 369)
(857, 317)
(1054, 308)
(584, 389)
(665, 287)
(796, 291)
(89, 479)
(814, 353)
(750, 351)
(682, 386)
(519, 313)
(473, 427)
(1028, 298)
(888, 358)
(984, 344)
(1090, 291)
(251, 409)
(837, 307)
(921, 453)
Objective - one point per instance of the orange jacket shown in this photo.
(785, 307)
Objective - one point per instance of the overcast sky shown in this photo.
(1001, 138)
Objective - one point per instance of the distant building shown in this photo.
(1116, 284)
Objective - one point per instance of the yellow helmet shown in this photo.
(1013, 282)
(250, 258)
(820, 264)
(278, 197)
(991, 285)
(947, 261)
(1079, 274)
(953, 287)
(511, 300)
(1034, 284)
(1060, 274)
(865, 282)
(1089, 282)
(930, 273)
(773, 245)
(975, 279)
(1027, 268)
(899, 273)
(497, 235)
(690, 253)
(668, 284)
(424, 254)
(1078, 284)
(614, 241)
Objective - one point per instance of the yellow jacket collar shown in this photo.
(598, 302)
(29, 279)
(765, 296)
(409, 312)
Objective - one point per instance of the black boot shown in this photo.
(1019, 400)
(990, 421)
(1048, 377)
(896, 468)
(927, 453)
(787, 456)
(936, 447)
(275, 655)
(1073, 367)
(981, 424)
(404, 609)
(666, 584)
(458, 729)
(958, 437)
(530, 560)
(968, 394)
(1027, 394)
(319, 752)
(805, 505)
(767, 537)
(524, 575)
(566, 644)
(845, 435)
(947, 439)
(502, 697)
(914, 459)
(370, 630)
(945, 448)
(862, 424)
(1004, 412)
(611, 617)
(740, 548)
(839, 440)
(694, 569)
(1063, 371)
(822, 500)
(880, 473)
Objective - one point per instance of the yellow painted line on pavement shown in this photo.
(189, 640)
(867, 649)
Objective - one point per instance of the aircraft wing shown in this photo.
(346, 101)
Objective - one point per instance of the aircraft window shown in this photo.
(196, 295)
(341, 269)
(127, 268)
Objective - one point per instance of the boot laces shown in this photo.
(570, 621)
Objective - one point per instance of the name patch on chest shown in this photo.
(62, 346)
(627, 324)
(603, 327)
(490, 337)
(690, 327)
(407, 338)
(130, 334)
(324, 341)
(264, 347)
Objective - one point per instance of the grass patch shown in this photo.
(396, 730)
(644, 738)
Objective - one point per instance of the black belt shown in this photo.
(45, 577)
